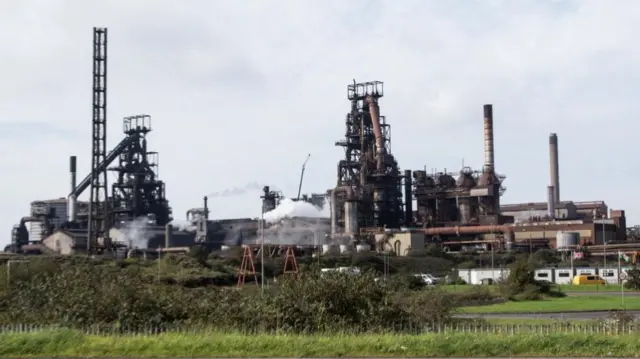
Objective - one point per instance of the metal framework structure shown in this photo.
(369, 168)
(137, 191)
(470, 199)
(98, 202)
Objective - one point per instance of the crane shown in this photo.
(302, 176)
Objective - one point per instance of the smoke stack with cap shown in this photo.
(72, 201)
(489, 164)
(554, 166)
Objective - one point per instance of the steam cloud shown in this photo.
(289, 208)
(183, 225)
(135, 234)
(252, 186)
(300, 231)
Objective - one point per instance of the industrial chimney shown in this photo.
(206, 208)
(551, 202)
(72, 201)
(489, 164)
(554, 166)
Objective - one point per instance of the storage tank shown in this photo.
(566, 240)
(360, 248)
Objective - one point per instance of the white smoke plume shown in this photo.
(299, 231)
(135, 234)
(236, 191)
(183, 225)
(289, 208)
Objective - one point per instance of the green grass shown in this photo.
(564, 288)
(565, 304)
(71, 344)
(592, 288)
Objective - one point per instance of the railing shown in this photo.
(605, 328)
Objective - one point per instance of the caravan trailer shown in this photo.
(543, 275)
(610, 275)
(586, 271)
(562, 275)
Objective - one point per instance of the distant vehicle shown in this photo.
(588, 279)
(427, 279)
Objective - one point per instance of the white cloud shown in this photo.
(241, 91)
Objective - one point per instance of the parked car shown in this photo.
(427, 279)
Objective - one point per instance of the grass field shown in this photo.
(565, 304)
(564, 288)
(74, 345)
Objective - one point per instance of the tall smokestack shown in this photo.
(206, 208)
(554, 166)
(489, 163)
(551, 202)
(72, 201)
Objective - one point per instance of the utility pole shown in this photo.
(262, 250)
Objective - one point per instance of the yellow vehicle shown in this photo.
(583, 279)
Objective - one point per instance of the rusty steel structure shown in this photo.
(368, 191)
(472, 198)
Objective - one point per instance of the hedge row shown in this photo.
(81, 292)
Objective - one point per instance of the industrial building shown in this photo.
(374, 204)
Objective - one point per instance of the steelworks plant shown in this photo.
(373, 204)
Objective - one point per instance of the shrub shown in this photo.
(633, 279)
(521, 283)
(86, 293)
(478, 294)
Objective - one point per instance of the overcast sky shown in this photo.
(241, 91)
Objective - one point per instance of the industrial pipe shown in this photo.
(408, 198)
(551, 202)
(506, 230)
(554, 166)
(489, 161)
(72, 200)
(334, 205)
(377, 130)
